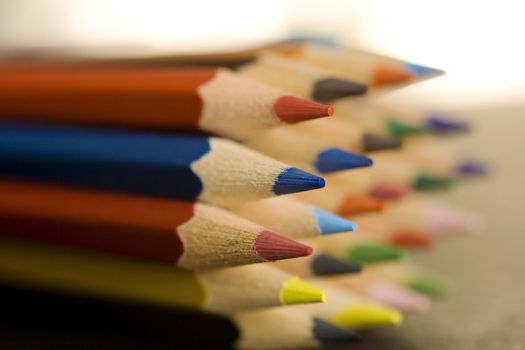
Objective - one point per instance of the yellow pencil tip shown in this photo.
(297, 291)
(363, 315)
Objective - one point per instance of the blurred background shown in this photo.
(479, 45)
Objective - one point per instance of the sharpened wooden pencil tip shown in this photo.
(353, 204)
(291, 109)
(411, 239)
(387, 75)
(272, 246)
(388, 191)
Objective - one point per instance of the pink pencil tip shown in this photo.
(389, 191)
(272, 246)
(399, 297)
(442, 219)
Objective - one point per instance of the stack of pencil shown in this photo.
(216, 192)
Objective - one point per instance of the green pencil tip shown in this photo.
(398, 128)
(429, 285)
(374, 252)
(429, 182)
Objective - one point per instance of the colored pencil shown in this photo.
(383, 292)
(188, 99)
(349, 310)
(434, 158)
(402, 120)
(359, 248)
(189, 235)
(412, 277)
(434, 217)
(98, 324)
(342, 202)
(362, 182)
(301, 79)
(191, 168)
(293, 218)
(318, 265)
(292, 146)
(223, 291)
(362, 66)
(395, 169)
(380, 227)
(339, 134)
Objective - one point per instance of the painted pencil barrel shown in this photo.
(182, 167)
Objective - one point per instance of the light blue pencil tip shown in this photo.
(294, 180)
(330, 223)
(422, 70)
(335, 159)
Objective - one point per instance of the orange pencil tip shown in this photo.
(360, 204)
(291, 109)
(385, 75)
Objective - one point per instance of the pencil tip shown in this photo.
(297, 291)
(375, 142)
(294, 180)
(399, 297)
(411, 239)
(442, 219)
(423, 71)
(388, 191)
(428, 285)
(335, 159)
(327, 333)
(326, 265)
(355, 204)
(272, 246)
(291, 109)
(443, 125)
(400, 128)
(471, 167)
(374, 252)
(329, 89)
(330, 223)
(387, 75)
(364, 315)
(429, 182)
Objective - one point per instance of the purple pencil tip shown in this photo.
(442, 125)
(471, 168)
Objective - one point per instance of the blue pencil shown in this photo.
(184, 167)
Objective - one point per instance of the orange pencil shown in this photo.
(208, 99)
(189, 235)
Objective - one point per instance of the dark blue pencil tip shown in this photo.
(294, 180)
(422, 71)
(467, 168)
(442, 125)
(330, 223)
(335, 159)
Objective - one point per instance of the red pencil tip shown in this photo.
(386, 75)
(272, 246)
(411, 239)
(291, 109)
(388, 191)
